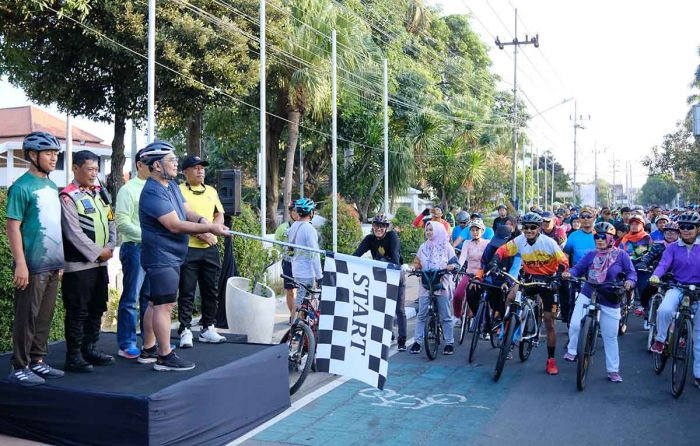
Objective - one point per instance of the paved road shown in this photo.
(448, 401)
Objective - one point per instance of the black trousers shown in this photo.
(85, 300)
(202, 266)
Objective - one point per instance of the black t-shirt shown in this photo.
(498, 221)
(388, 249)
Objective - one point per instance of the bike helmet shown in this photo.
(532, 218)
(462, 217)
(304, 206)
(40, 141)
(155, 151)
(689, 217)
(604, 227)
(380, 219)
(477, 223)
(671, 226)
(638, 216)
(662, 217)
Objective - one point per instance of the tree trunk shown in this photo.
(294, 117)
(275, 126)
(368, 200)
(116, 177)
(194, 134)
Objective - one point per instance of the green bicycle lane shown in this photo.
(447, 401)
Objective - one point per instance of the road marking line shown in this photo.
(340, 380)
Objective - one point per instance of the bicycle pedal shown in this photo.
(535, 343)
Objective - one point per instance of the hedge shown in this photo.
(7, 289)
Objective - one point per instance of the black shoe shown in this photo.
(76, 363)
(449, 350)
(96, 357)
(148, 355)
(46, 371)
(401, 344)
(415, 348)
(172, 362)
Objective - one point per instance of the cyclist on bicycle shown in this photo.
(649, 262)
(542, 258)
(661, 221)
(306, 265)
(550, 229)
(683, 260)
(384, 245)
(636, 243)
(601, 265)
(435, 253)
(462, 222)
(470, 259)
(504, 233)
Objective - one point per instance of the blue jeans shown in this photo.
(130, 257)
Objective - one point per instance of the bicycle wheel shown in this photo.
(651, 318)
(302, 352)
(660, 359)
(682, 348)
(465, 322)
(625, 308)
(586, 342)
(478, 322)
(431, 335)
(525, 347)
(493, 334)
(507, 341)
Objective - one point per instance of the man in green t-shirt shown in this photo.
(34, 233)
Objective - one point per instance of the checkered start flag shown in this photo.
(358, 304)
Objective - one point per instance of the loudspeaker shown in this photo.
(228, 184)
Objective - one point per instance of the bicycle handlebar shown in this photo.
(526, 284)
(618, 285)
(297, 283)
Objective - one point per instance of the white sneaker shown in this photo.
(186, 338)
(210, 335)
(647, 327)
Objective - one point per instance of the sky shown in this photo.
(628, 64)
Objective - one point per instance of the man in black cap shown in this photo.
(202, 263)
(502, 216)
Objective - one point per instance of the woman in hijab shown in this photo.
(602, 265)
(435, 253)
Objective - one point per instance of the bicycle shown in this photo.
(432, 334)
(626, 307)
(464, 320)
(654, 303)
(482, 323)
(679, 342)
(302, 337)
(521, 323)
(590, 327)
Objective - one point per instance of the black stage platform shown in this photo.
(234, 388)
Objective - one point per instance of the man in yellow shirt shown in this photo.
(202, 264)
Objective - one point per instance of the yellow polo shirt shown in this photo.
(204, 200)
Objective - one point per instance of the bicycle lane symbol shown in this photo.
(389, 398)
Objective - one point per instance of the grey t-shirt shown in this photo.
(305, 264)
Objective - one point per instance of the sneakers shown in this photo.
(551, 368)
(172, 362)
(569, 357)
(449, 350)
(415, 348)
(148, 355)
(25, 377)
(186, 338)
(647, 326)
(45, 371)
(639, 311)
(401, 345)
(76, 363)
(94, 356)
(208, 335)
(615, 377)
(657, 347)
(458, 323)
(132, 352)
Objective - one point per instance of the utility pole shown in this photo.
(516, 43)
(576, 118)
(595, 175)
(545, 182)
(537, 166)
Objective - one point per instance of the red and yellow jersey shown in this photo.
(542, 258)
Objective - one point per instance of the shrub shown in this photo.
(404, 217)
(411, 238)
(349, 229)
(7, 292)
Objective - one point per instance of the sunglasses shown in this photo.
(686, 227)
(586, 216)
(530, 227)
(197, 192)
(601, 236)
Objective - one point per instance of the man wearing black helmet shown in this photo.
(542, 258)
(502, 216)
(384, 245)
(34, 234)
(166, 221)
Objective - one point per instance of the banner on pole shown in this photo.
(358, 304)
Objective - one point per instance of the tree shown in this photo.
(659, 190)
(55, 60)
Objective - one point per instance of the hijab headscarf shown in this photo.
(436, 251)
(602, 261)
